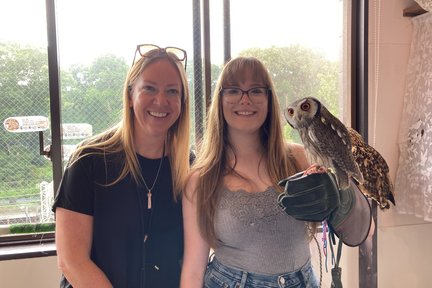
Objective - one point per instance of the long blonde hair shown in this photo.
(212, 159)
(119, 139)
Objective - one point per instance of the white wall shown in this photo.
(405, 253)
(34, 272)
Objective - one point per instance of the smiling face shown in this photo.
(245, 116)
(155, 99)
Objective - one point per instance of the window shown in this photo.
(25, 190)
(95, 56)
(301, 43)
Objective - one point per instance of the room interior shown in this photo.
(403, 232)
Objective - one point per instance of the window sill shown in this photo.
(27, 251)
(27, 246)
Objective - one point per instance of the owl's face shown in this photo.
(300, 113)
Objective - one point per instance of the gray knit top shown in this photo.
(257, 236)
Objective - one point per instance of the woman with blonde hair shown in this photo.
(118, 218)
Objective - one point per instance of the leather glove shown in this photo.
(351, 221)
(310, 197)
(316, 197)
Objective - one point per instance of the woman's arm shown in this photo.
(299, 155)
(74, 234)
(196, 249)
(352, 221)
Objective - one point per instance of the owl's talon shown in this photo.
(322, 169)
(315, 168)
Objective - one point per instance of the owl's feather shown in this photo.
(330, 143)
(377, 184)
(325, 138)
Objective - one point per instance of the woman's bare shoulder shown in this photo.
(299, 154)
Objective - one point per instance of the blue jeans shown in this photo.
(220, 276)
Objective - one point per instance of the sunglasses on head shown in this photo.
(151, 50)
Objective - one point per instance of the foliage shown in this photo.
(300, 72)
(24, 92)
(93, 94)
(31, 228)
(23, 80)
(90, 94)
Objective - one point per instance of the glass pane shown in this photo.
(300, 42)
(25, 176)
(97, 49)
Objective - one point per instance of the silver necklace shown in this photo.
(149, 190)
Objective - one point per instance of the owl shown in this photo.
(325, 138)
(377, 184)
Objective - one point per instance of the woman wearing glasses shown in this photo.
(118, 218)
(230, 201)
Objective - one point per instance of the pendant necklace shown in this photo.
(149, 190)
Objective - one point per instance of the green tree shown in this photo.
(93, 94)
(23, 87)
(300, 72)
(24, 91)
(90, 94)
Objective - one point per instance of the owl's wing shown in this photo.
(339, 144)
(377, 184)
(333, 148)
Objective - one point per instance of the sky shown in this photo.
(90, 28)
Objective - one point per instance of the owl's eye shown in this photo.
(290, 111)
(305, 106)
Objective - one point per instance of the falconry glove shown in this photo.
(310, 197)
(316, 197)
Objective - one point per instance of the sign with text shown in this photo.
(26, 124)
(67, 151)
(76, 130)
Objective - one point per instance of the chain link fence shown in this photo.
(91, 96)
(91, 99)
(23, 92)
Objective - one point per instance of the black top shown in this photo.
(121, 219)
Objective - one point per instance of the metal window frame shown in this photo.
(359, 118)
(35, 244)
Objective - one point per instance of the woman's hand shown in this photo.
(311, 195)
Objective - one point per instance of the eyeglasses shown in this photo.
(234, 95)
(152, 51)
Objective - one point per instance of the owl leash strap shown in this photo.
(336, 271)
